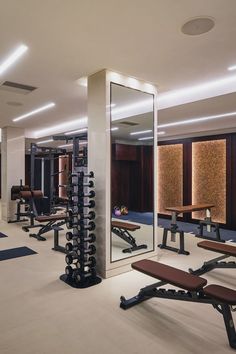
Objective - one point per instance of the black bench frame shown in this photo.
(212, 264)
(54, 225)
(154, 290)
(127, 237)
(173, 231)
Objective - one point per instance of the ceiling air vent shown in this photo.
(130, 124)
(16, 87)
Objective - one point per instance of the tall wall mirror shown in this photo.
(132, 172)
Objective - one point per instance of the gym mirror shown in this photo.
(132, 172)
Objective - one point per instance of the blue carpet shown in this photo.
(15, 253)
(147, 219)
(2, 235)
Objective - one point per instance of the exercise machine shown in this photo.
(225, 249)
(193, 289)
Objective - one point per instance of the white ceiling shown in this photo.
(142, 38)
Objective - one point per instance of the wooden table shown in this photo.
(175, 211)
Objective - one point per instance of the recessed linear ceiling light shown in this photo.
(231, 68)
(13, 58)
(83, 81)
(61, 128)
(141, 132)
(114, 128)
(77, 131)
(146, 138)
(161, 133)
(35, 111)
(70, 145)
(198, 25)
(45, 141)
(197, 120)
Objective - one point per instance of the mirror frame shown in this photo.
(129, 256)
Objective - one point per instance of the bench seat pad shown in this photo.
(124, 225)
(221, 294)
(54, 217)
(218, 247)
(170, 275)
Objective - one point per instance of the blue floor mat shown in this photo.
(147, 219)
(2, 235)
(15, 253)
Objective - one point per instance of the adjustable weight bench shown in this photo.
(195, 290)
(54, 222)
(121, 229)
(225, 249)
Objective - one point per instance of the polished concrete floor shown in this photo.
(42, 315)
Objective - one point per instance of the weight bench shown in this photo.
(195, 290)
(225, 249)
(54, 222)
(121, 229)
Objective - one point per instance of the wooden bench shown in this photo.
(121, 229)
(225, 249)
(195, 290)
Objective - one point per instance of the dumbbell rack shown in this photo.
(80, 271)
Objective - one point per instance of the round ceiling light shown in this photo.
(198, 25)
(14, 103)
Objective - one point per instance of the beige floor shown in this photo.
(42, 315)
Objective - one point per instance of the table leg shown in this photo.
(208, 218)
(173, 226)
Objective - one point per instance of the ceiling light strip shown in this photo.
(141, 132)
(197, 120)
(13, 58)
(35, 111)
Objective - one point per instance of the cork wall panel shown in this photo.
(209, 177)
(170, 176)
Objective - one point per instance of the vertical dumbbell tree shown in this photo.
(80, 271)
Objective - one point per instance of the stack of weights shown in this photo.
(80, 271)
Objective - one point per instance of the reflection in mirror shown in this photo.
(132, 170)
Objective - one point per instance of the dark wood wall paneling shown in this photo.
(132, 177)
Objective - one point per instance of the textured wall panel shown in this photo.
(170, 176)
(209, 177)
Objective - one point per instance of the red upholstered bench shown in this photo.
(194, 291)
(223, 248)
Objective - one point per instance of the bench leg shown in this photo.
(57, 247)
(212, 264)
(179, 250)
(229, 325)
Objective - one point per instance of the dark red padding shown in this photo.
(218, 247)
(55, 217)
(37, 194)
(25, 194)
(170, 275)
(222, 294)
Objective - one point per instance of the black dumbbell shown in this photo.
(81, 277)
(91, 262)
(90, 204)
(80, 226)
(78, 251)
(90, 238)
(83, 194)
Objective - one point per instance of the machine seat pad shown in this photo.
(47, 218)
(222, 294)
(25, 194)
(170, 275)
(218, 247)
(125, 225)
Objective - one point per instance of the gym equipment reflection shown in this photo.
(132, 196)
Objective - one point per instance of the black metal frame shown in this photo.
(127, 237)
(197, 296)
(212, 264)
(51, 225)
(174, 230)
(207, 222)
